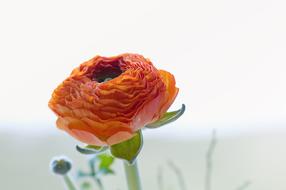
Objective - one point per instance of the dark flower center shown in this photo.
(105, 71)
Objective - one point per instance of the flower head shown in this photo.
(107, 99)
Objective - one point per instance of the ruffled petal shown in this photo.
(171, 91)
(107, 99)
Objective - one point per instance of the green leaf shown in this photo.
(90, 149)
(128, 150)
(105, 162)
(167, 118)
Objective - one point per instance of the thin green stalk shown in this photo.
(70, 185)
(132, 176)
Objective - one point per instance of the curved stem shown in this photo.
(132, 176)
(69, 183)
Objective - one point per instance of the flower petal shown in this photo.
(171, 90)
(79, 130)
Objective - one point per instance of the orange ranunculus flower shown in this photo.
(107, 99)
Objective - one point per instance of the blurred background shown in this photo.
(229, 61)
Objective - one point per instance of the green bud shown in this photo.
(61, 165)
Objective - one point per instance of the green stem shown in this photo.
(132, 176)
(69, 183)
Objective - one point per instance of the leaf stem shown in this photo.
(69, 183)
(132, 176)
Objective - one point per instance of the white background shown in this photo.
(229, 57)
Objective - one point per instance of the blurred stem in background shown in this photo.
(94, 172)
(132, 176)
(69, 183)
(179, 175)
(99, 166)
(209, 164)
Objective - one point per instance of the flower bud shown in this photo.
(61, 165)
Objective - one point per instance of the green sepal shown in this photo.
(90, 149)
(128, 150)
(167, 118)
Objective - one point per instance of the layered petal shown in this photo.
(171, 91)
(107, 99)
